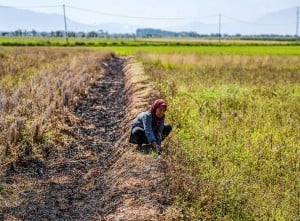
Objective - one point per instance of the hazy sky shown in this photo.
(188, 10)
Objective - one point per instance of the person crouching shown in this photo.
(149, 127)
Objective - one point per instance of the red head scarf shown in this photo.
(157, 103)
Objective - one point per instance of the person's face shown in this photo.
(160, 111)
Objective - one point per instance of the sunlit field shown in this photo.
(37, 85)
(234, 153)
(214, 49)
(131, 46)
(235, 150)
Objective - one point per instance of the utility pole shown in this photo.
(220, 20)
(297, 23)
(66, 30)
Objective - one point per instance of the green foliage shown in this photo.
(130, 46)
(208, 49)
(235, 145)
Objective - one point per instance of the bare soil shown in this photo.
(99, 176)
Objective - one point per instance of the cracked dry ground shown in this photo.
(98, 176)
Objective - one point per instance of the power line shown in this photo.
(66, 30)
(297, 23)
(148, 18)
(254, 23)
(31, 7)
(139, 17)
(220, 20)
(152, 18)
(108, 13)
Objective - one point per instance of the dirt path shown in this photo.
(98, 176)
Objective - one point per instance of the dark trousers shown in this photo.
(138, 135)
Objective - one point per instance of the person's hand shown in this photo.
(157, 147)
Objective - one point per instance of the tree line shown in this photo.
(142, 33)
(60, 33)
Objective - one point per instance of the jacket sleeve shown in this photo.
(147, 123)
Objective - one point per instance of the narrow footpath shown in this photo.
(99, 176)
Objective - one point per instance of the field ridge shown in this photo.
(98, 176)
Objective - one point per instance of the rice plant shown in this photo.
(234, 153)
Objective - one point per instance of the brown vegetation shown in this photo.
(37, 86)
(67, 156)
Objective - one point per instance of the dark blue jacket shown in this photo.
(144, 120)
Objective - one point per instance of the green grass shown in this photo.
(130, 46)
(235, 145)
(222, 49)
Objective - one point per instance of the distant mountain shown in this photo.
(280, 17)
(280, 22)
(28, 20)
